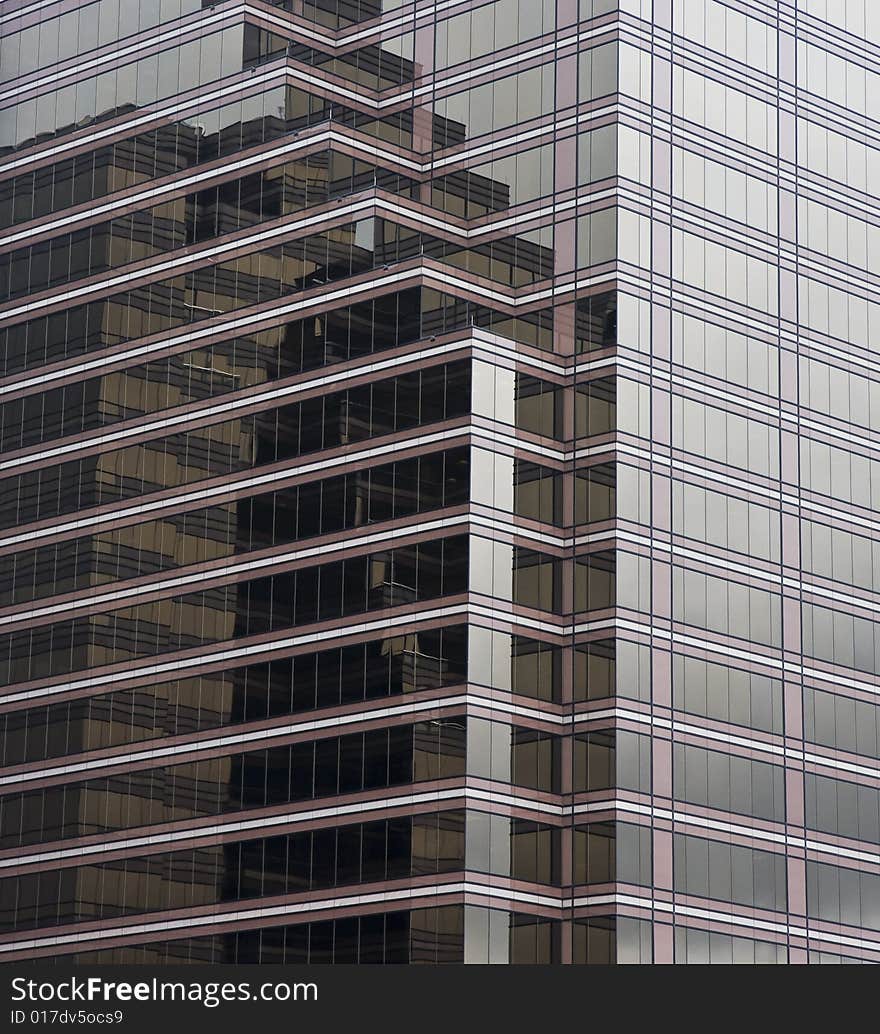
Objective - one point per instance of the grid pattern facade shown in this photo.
(439, 481)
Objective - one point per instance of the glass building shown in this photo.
(440, 500)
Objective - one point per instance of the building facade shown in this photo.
(440, 500)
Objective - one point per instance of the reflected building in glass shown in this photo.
(439, 488)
